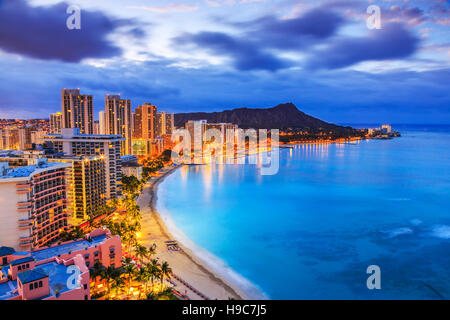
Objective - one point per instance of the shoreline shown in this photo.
(185, 263)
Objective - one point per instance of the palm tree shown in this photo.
(144, 276)
(141, 252)
(118, 283)
(165, 271)
(129, 268)
(108, 275)
(151, 251)
(95, 272)
(153, 269)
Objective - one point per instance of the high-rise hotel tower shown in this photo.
(77, 111)
(118, 120)
(145, 122)
(72, 143)
(34, 204)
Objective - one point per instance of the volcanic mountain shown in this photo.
(282, 116)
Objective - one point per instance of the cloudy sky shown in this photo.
(210, 55)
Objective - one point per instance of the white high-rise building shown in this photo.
(33, 204)
(72, 143)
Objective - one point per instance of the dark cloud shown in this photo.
(41, 32)
(252, 50)
(257, 45)
(245, 54)
(393, 41)
(315, 24)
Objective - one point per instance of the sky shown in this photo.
(212, 55)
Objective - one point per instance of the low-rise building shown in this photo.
(57, 272)
(132, 168)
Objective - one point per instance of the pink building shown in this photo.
(57, 272)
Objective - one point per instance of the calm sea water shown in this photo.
(311, 231)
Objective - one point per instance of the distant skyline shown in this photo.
(212, 55)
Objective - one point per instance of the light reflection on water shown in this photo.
(332, 210)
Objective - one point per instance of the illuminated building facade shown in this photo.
(118, 120)
(34, 204)
(77, 111)
(72, 143)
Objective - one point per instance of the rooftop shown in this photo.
(50, 252)
(32, 275)
(58, 276)
(7, 289)
(26, 171)
(5, 251)
(22, 260)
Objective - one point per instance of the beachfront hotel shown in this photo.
(118, 120)
(72, 143)
(77, 111)
(86, 179)
(86, 185)
(45, 274)
(33, 199)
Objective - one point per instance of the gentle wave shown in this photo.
(441, 231)
(399, 231)
(251, 290)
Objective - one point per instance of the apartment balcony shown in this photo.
(27, 226)
(22, 191)
(25, 241)
(24, 203)
(23, 185)
(26, 244)
(24, 209)
(24, 221)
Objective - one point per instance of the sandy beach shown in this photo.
(184, 263)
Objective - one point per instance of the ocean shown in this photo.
(312, 230)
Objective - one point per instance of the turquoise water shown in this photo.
(311, 231)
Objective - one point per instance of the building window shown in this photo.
(31, 286)
(19, 268)
(35, 285)
(85, 286)
(40, 284)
